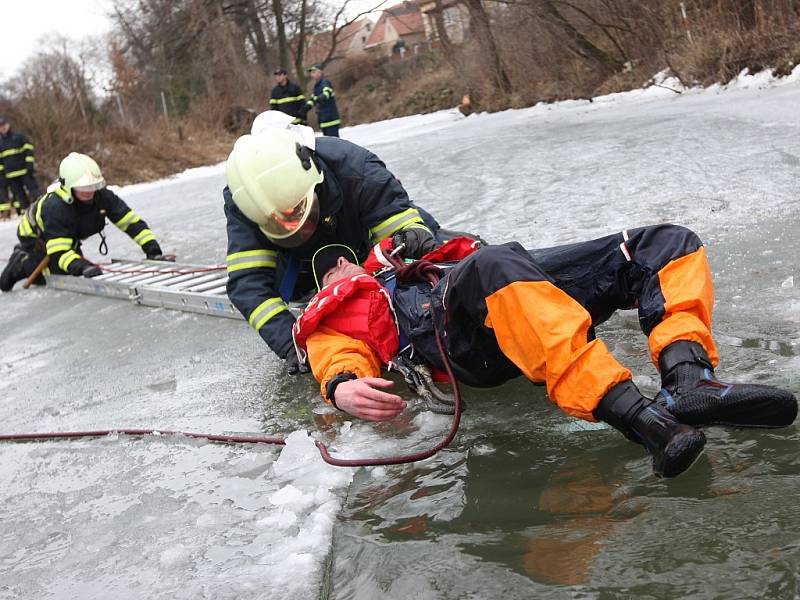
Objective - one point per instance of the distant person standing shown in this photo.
(325, 101)
(17, 165)
(287, 97)
(5, 201)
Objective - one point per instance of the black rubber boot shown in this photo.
(15, 270)
(692, 393)
(674, 446)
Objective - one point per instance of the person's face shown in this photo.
(84, 197)
(281, 78)
(343, 269)
(317, 75)
(4, 128)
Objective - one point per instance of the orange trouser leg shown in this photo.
(544, 332)
(688, 292)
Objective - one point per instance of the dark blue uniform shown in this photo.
(17, 165)
(289, 99)
(327, 113)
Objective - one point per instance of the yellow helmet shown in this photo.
(80, 172)
(272, 176)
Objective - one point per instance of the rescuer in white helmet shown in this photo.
(289, 194)
(73, 209)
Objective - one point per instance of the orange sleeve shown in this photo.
(331, 353)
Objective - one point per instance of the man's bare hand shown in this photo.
(364, 399)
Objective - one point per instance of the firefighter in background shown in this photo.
(287, 97)
(72, 210)
(290, 193)
(503, 312)
(17, 163)
(5, 200)
(325, 101)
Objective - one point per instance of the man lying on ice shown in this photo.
(502, 312)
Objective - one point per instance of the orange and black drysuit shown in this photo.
(503, 312)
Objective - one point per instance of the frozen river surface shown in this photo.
(527, 502)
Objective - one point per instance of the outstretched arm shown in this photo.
(333, 354)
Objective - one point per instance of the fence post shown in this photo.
(164, 106)
(686, 22)
(121, 110)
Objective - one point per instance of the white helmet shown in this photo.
(275, 119)
(80, 172)
(272, 177)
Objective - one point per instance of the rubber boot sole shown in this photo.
(682, 451)
(737, 405)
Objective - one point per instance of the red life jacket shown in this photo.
(366, 308)
(358, 307)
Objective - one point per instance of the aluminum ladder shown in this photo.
(176, 286)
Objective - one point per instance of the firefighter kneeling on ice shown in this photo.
(72, 210)
(502, 312)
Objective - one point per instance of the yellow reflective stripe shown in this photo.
(13, 151)
(287, 99)
(25, 228)
(144, 236)
(63, 194)
(127, 220)
(394, 223)
(27, 147)
(39, 220)
(29, 159)
(12, 174)
(265, 311)
(251, 259)
(58, 245)
(5, 206)
(67, 259)
(327, 92)
(330, 123)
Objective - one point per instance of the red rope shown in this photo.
(432, 273)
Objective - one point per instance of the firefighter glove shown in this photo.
(294, 366)
(91, 271)
(416, 242)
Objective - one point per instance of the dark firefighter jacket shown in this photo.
(361, 204)
(61, 223)
(289, 99)
(325, 101)
(16, 155)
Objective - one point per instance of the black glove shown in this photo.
(91, 271)
(166, 258)
(294, 366)
(416, 242)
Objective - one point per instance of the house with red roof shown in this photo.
(399, 30)
(350, 39)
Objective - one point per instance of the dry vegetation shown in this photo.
(207, 62)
